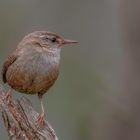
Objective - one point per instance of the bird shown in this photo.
(33, 67)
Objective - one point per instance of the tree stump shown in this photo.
(20, 120)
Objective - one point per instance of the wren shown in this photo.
(33, 67)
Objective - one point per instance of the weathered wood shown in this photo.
(20, 120)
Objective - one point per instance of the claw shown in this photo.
(8, 96)
(41, 119)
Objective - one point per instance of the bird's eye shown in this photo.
(53, 39)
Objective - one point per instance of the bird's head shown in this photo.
(45, 39)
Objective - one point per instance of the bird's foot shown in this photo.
(8, 96)
(41, 119)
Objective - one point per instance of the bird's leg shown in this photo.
(41, 117)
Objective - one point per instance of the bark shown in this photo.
(20, 120)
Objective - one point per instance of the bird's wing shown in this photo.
(8, 62)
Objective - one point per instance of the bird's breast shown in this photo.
(34, 72)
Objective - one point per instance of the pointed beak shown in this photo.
(67, 41)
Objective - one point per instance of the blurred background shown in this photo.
(96, 96)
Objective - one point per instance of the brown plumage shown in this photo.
(34, 66)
